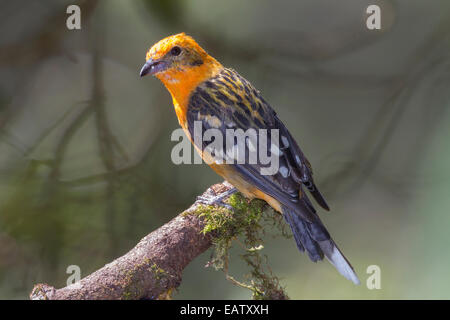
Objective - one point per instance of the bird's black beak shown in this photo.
(152, 67)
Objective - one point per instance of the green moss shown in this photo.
(226, 223)
(132, 287)
(158, 272)
(248, 221)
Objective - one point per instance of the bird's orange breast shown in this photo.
(182, 82)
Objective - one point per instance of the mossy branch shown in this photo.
(247, 225)
(153, 268)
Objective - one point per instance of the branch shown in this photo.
(149, 270)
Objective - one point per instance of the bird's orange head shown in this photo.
(180, 63)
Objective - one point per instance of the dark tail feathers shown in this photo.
(315, 239)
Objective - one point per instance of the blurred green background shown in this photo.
(85, 169)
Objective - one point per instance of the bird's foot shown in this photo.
(217, 200)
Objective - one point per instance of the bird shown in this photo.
(214, 97)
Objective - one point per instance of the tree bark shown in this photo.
(149, 270)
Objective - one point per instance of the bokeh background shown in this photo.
(85, 169)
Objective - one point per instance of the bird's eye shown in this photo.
(175, 51)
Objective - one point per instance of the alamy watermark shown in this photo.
(259, 147)
(75, 275)
(73, 21)
(373, 21)
(374, 280)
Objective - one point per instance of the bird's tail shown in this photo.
(315, 239)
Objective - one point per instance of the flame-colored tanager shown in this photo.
(203, 90)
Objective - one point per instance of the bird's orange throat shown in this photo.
(181, 82)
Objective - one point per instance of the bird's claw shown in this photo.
(217, 200)
(214, 201)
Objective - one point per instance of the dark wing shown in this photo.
(228, 101)
(300, 167)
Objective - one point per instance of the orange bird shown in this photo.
(205, 92)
